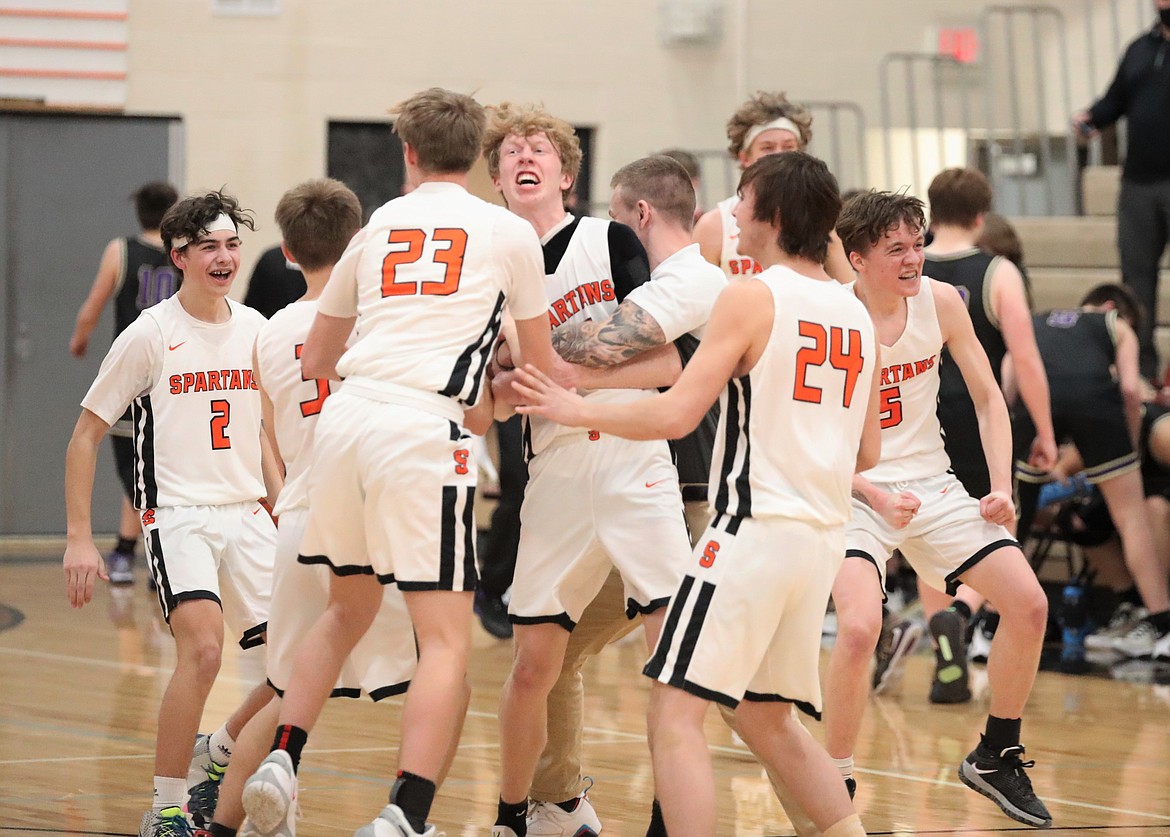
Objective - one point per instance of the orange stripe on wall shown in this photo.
(56, 43)
(89, 75)
(71, 14)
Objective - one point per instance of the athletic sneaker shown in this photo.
(1124, 619)
(391, 822)
(1001, 778)
(270, 796)
(169, 822)
(948, 629)
(493, 614)
(120, 567)
(204, 777)
(982, 632)
(547, 819)
(1139, 642)
(897, 642)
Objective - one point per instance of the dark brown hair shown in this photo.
(1122, 298)
(151, 202)
(867, 217)
(958, 197)
(189, 217)
(797, 193)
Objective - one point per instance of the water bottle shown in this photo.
(1074, 627)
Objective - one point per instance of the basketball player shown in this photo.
(186, 364)
(627, 493)
(910, 502)
(997, 301)
(654, 198)
(1091, 358)
(426, 281)
(767, 123)
(136, 273)
(802, 361)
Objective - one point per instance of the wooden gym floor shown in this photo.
(79, 691)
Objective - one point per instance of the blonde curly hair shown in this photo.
(761, 109)
(507, 119)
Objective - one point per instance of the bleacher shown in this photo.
(1067, 255)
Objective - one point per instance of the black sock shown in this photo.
(292, 740)
(217, 830)
(414, 795)
(569, 805)
(126, 545)
(962, 608)
(513, 815)
(1001, 733)
(657, 823)
(1161, 621)
(1131, 595)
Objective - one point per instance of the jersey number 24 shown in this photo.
(828, 345)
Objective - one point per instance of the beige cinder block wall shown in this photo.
(256, 93)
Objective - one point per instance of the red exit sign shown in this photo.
(959, 43)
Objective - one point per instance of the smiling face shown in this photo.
(530, 172)
(893, 266)
(210, 262)
(775, 141)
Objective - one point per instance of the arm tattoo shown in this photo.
(860, 497)
(629, 331)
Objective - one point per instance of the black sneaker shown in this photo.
(949, 685)
(1001, 779)
(493, 614)
(851, 786)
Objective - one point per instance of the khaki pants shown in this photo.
(558, 773)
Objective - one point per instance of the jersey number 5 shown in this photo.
(891, 407)
(450, 256)
(828, 346)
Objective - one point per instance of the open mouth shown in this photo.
(527, 178)
(221, 275)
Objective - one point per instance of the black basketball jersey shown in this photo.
(692, 453)
(1078, 349)
(970, 272)
(147, 278)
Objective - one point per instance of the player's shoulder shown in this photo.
(246, 317)
(688, 263)
(288, 318)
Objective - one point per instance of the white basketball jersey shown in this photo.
(734, 265)
(912, 444)
(196, 407)
(580, 288)
(296, 401)
(428, 278)
(790, 429)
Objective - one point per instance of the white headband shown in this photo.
(223, 222)
(781, 123)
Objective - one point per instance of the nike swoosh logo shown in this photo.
(984, 771)
(177, 345)
(652, 484)
(257, 511)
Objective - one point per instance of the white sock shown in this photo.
(169, 792)
(221, 745)
(845, 765)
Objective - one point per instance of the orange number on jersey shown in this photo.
(709, 553)
(451, 257)
(221, 413)
(813, 355)
(461, 457)
(891, 407)
(848, 360)
(313, 406)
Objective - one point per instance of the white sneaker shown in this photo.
(270, 796)
(547, 819)
(1162, 648)
(1124, 619)
(1140, 640)
(391, 822)
(979, 648)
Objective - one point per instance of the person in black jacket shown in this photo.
(1140, 92)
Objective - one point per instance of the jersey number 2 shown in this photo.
(221, 414)
(828, 346)
(450, 256)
